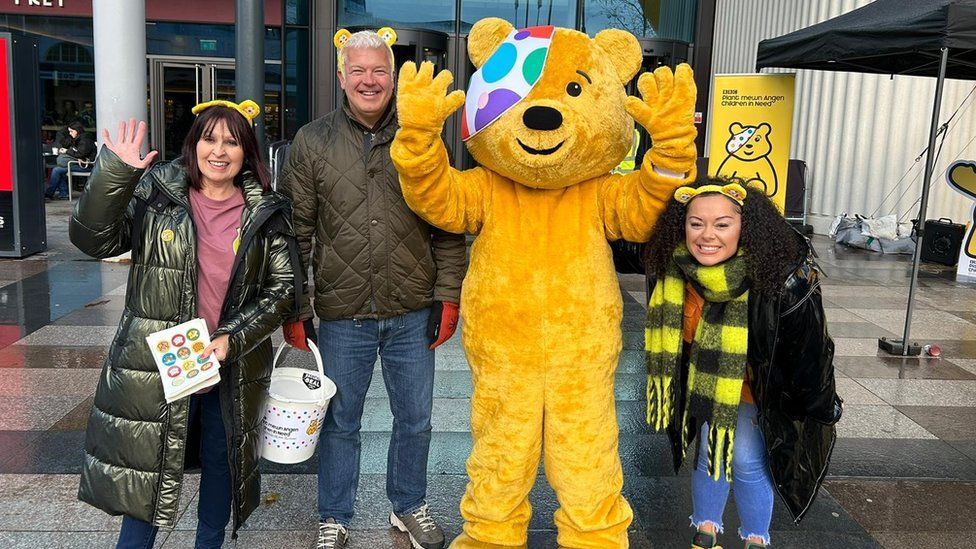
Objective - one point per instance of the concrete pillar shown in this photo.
(120, 62)
(249, 32)
(323, 58)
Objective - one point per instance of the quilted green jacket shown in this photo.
(373, 257)
(136, 445)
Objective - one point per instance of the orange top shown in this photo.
(693, 311)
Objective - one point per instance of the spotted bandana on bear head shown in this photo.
(740, 139)
(505, 78)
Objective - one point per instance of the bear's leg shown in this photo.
(506, 425)
(582, 461)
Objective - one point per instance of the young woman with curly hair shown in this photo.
(737, 350)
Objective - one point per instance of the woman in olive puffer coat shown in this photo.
(137, 445)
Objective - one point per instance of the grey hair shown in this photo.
(365, 40)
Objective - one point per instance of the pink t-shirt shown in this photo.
(217, 223)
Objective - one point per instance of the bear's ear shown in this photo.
(623, 50)
(764, 128)
(736, 128)
(485, 37)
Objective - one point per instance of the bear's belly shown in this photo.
(542, 297)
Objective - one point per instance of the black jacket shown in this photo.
(82, 147)
(792, 380)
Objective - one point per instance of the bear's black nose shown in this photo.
(542, 118)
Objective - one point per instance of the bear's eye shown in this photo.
(757, 140)
(574, 89)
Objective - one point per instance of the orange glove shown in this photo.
(442, 323)
(296, 333)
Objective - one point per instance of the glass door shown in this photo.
(180, 88)
(177, 85)
(223, 86)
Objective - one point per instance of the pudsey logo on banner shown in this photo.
(961, 177)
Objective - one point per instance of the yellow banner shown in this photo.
(751, 122)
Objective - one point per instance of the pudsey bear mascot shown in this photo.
(546, 117)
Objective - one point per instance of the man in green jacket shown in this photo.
(386, 284)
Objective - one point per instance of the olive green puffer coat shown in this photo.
(373, 257)
(136, 444)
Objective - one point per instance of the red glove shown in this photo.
(442, 323)
(296, 333)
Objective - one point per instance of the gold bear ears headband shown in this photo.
(248, 109)
(733, 190)
(342, 36)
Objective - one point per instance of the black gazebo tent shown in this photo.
(905, 37)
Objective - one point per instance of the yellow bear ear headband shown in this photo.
(342, 36)
(733, 190)
(248, 109)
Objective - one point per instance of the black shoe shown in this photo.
(419, 525)
(704, 540)
(331, 535)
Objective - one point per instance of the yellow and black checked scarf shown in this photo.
(717, 360)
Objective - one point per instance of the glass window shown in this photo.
(296, 12)
(295, 108)
(67, 69)
(422, 14)
(673, 19)
(520, 13)
(200, 40)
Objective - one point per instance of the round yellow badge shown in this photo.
(167, 235)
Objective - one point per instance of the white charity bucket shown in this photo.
(295, 409)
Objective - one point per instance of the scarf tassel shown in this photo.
(659, 402)
(721, 443)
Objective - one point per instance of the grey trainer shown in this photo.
(420, 526)
(332, 535)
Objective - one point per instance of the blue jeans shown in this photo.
(59, 180)
(752, 484)
(349, 349)
(213, 507)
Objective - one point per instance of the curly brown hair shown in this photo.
(771, 246)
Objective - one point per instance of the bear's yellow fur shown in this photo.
(541, 304)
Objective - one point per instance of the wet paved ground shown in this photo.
(903, 473)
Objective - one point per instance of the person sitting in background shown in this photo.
(80, 146)
(68, 111)
(87, 114)
(62, 139)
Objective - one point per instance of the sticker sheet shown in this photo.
(178, 352)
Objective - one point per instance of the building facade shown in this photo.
(190, 49)
(190, 59)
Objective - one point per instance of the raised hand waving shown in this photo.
(128, 144)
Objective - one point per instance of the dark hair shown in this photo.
(77, 126)
(772, 248)
(240, 128)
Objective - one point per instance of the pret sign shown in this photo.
(42, 3)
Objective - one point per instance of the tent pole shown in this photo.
(929, 161)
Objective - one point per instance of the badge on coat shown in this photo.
(168, 235)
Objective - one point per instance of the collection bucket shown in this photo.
(295, 409)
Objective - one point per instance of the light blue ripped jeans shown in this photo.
(752, 484)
